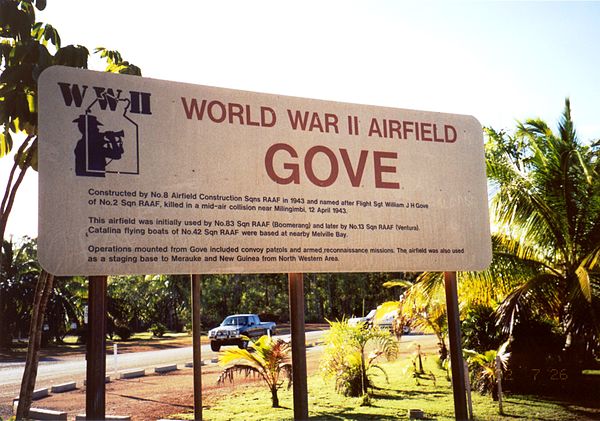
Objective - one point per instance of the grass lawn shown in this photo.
(390, 401)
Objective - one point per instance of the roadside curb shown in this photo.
(132, 374)
(49, 414)
(37, 394)
(165, 368)
(190, 364)
(64, 387)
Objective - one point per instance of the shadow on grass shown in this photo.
(395, 394)
(583, 405)
(325, 415)
(580, 412)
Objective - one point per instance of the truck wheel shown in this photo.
(215, 346)
(272, 332)
(243, 345)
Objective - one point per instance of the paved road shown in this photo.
(58, 370)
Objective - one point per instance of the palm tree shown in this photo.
(484, 370)
(346, 355)
(546, 209)
(267, 357)
(65, 306)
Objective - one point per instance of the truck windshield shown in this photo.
(235, 321)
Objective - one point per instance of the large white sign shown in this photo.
(147, 176)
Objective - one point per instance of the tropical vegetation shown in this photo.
(267, 358)
(542, 290)
(393, 400)
(546, 208)
(485, 368)
(27, 48)
(353, 353)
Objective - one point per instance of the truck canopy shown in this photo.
(240, 320)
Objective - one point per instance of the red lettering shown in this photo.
(426, 132)
(308, 164)
(297, 119)
(249, 118)
(236, 110)
(395, 128)
(435, 135)
(447, 129)
(374, 128)
(380, 169)
(315, 122)
(235, 113)
(220, 108)
(355, 177)
(294, 176)
(192, 108)
(408, 128)
(331, 120)
(355, 172)
(264, 112)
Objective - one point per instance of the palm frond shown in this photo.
(584, 282)
(230, 372)
(386, 308)
(537, 295)
(429, 284)
(234, 354)
(397, 283)
(286, 369)
(591, 260)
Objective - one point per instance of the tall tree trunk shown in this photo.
(267, 301)
(12, 185)
(329, 297)
(42, 292)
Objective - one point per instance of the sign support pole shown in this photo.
(456, 360)
(299, 373)
(95, 392)
(196, 345)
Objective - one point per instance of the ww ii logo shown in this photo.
(109, 141)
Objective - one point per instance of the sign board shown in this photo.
(147, 176)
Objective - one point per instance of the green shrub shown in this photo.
(158, 329)
(480, 331)
(346, 359)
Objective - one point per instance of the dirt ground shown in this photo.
(154, 396)
(151, 397)
(157, 396)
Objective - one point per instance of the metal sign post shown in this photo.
(296, 292)
(95, 391)
(196, 344)
(456, 360)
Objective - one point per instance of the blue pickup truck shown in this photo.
(237, 329)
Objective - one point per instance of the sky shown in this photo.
(501, 62)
